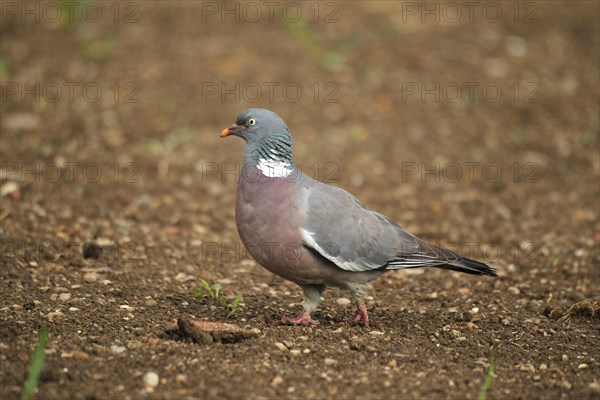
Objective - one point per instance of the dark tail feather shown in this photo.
(469, 266)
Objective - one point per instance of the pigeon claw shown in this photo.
(303, 318)
(360, 314)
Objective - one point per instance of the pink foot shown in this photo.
(360, 314)
(303, 318)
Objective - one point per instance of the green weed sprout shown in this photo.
(217, 288)
(234, 305)
(213, 292)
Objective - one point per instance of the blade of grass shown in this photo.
(36, 366)
(488, 380)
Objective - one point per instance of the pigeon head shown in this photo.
(268, 139)
(255, 125)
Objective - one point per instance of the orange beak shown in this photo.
(231, 130)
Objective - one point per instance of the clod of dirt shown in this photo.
(585, 309)
(206, 332)
(91, 250)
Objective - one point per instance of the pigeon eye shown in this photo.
(251, 121)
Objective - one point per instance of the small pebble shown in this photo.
(151, 302)
(516, 46)
(280, 346)
(8, 188)
(80, 355)
(471, 325)
(181, 379)
(582, 366)
(514, 290)
(376, 333)
(306, 351)
(527, 368)
(90, 277)
(278, 380)
(64, 296)
(117, 349)
(330, 361)
(288, 344)
(595, 386)
(151, 380)
(543, 367)
(295, 352)
(505, 322)
(55, 314)
(342, 301)
(565, 358)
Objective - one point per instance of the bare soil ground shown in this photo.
(151, 183)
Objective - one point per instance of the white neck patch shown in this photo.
(274, 168)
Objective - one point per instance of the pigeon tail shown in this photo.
(469, 266)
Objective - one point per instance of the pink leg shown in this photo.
(360, 314)
(303, 318)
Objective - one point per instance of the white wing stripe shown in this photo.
(348, 266)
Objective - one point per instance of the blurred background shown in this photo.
(475, 126)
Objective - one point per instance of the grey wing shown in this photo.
(354, 238)
(357, 239)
